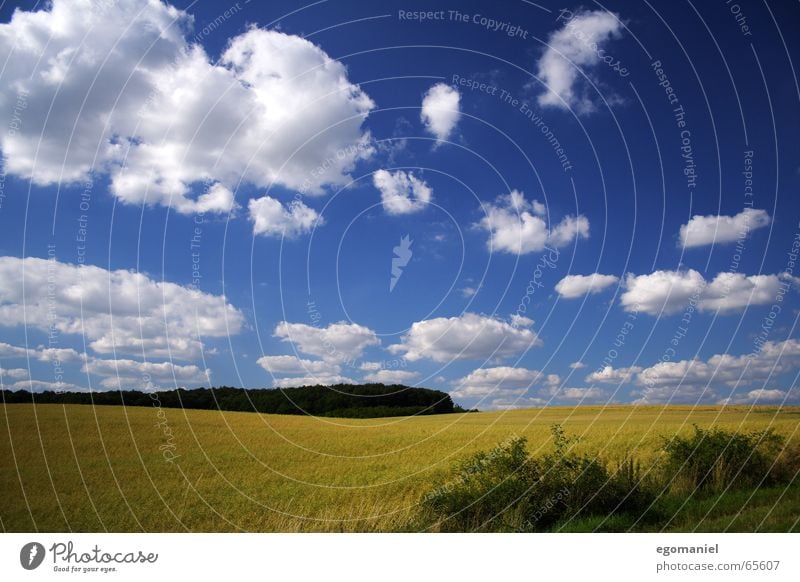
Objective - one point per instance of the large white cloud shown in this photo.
(440, 110)
(574, 286)
(500, 381)
(340, 341)
(295, 365)
(611, 375)
(517, 226)
(123, 373)
(136, 100)
(722, 377)
(118, 311)
(401, 192)
(577, 45)
(271, 218)
(669, 292)
(315, 380)
(392, 376)
(467, 337)
(714, 229)
(13, 373)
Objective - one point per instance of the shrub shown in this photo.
(506, 489)
(711, 460)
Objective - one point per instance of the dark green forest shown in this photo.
(342, 400)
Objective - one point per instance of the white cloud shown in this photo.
(120, 311)
(440, 110)
(765, 396)
(401, 192)
(575, 46)
(295, 365)
(592, 393)
(42, 386)
(392, 376)
(610, 375)
(517, 226)
(316, 380)
(501, 381)
(722, 377)
(713, 229)
(669, 292)
(271, 218)
(467, 337)
(134, 99)
(577, 365)
(574, 286)
(130, 374)
(735, 291)
(340, 341)
(14, 373)
(468, 292)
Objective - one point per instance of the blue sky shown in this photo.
(599, 202)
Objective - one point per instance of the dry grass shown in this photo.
(93, 469)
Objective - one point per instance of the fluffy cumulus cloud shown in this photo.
(440, 110)
(720, 229)
(506, 387)
(401, 192)
(576, 47)
(593, 394)
(720, 378)
(123, 373)
(315, 380)
(44, 386)
(7, 374)
(116, 373)
(574, 286)
(668, 292)
(386, 376)
(517, 226)
(340, 341)
(117, 311)
(500, 381)
(139, 102)
(467, 337)
(611, 375)
(271, 218)
(295, 365)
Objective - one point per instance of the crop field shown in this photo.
(112, 468)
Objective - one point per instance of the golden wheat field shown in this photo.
(84, 468)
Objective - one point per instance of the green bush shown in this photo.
(712, 460)
(506, 489)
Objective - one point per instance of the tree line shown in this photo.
(341, 400)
